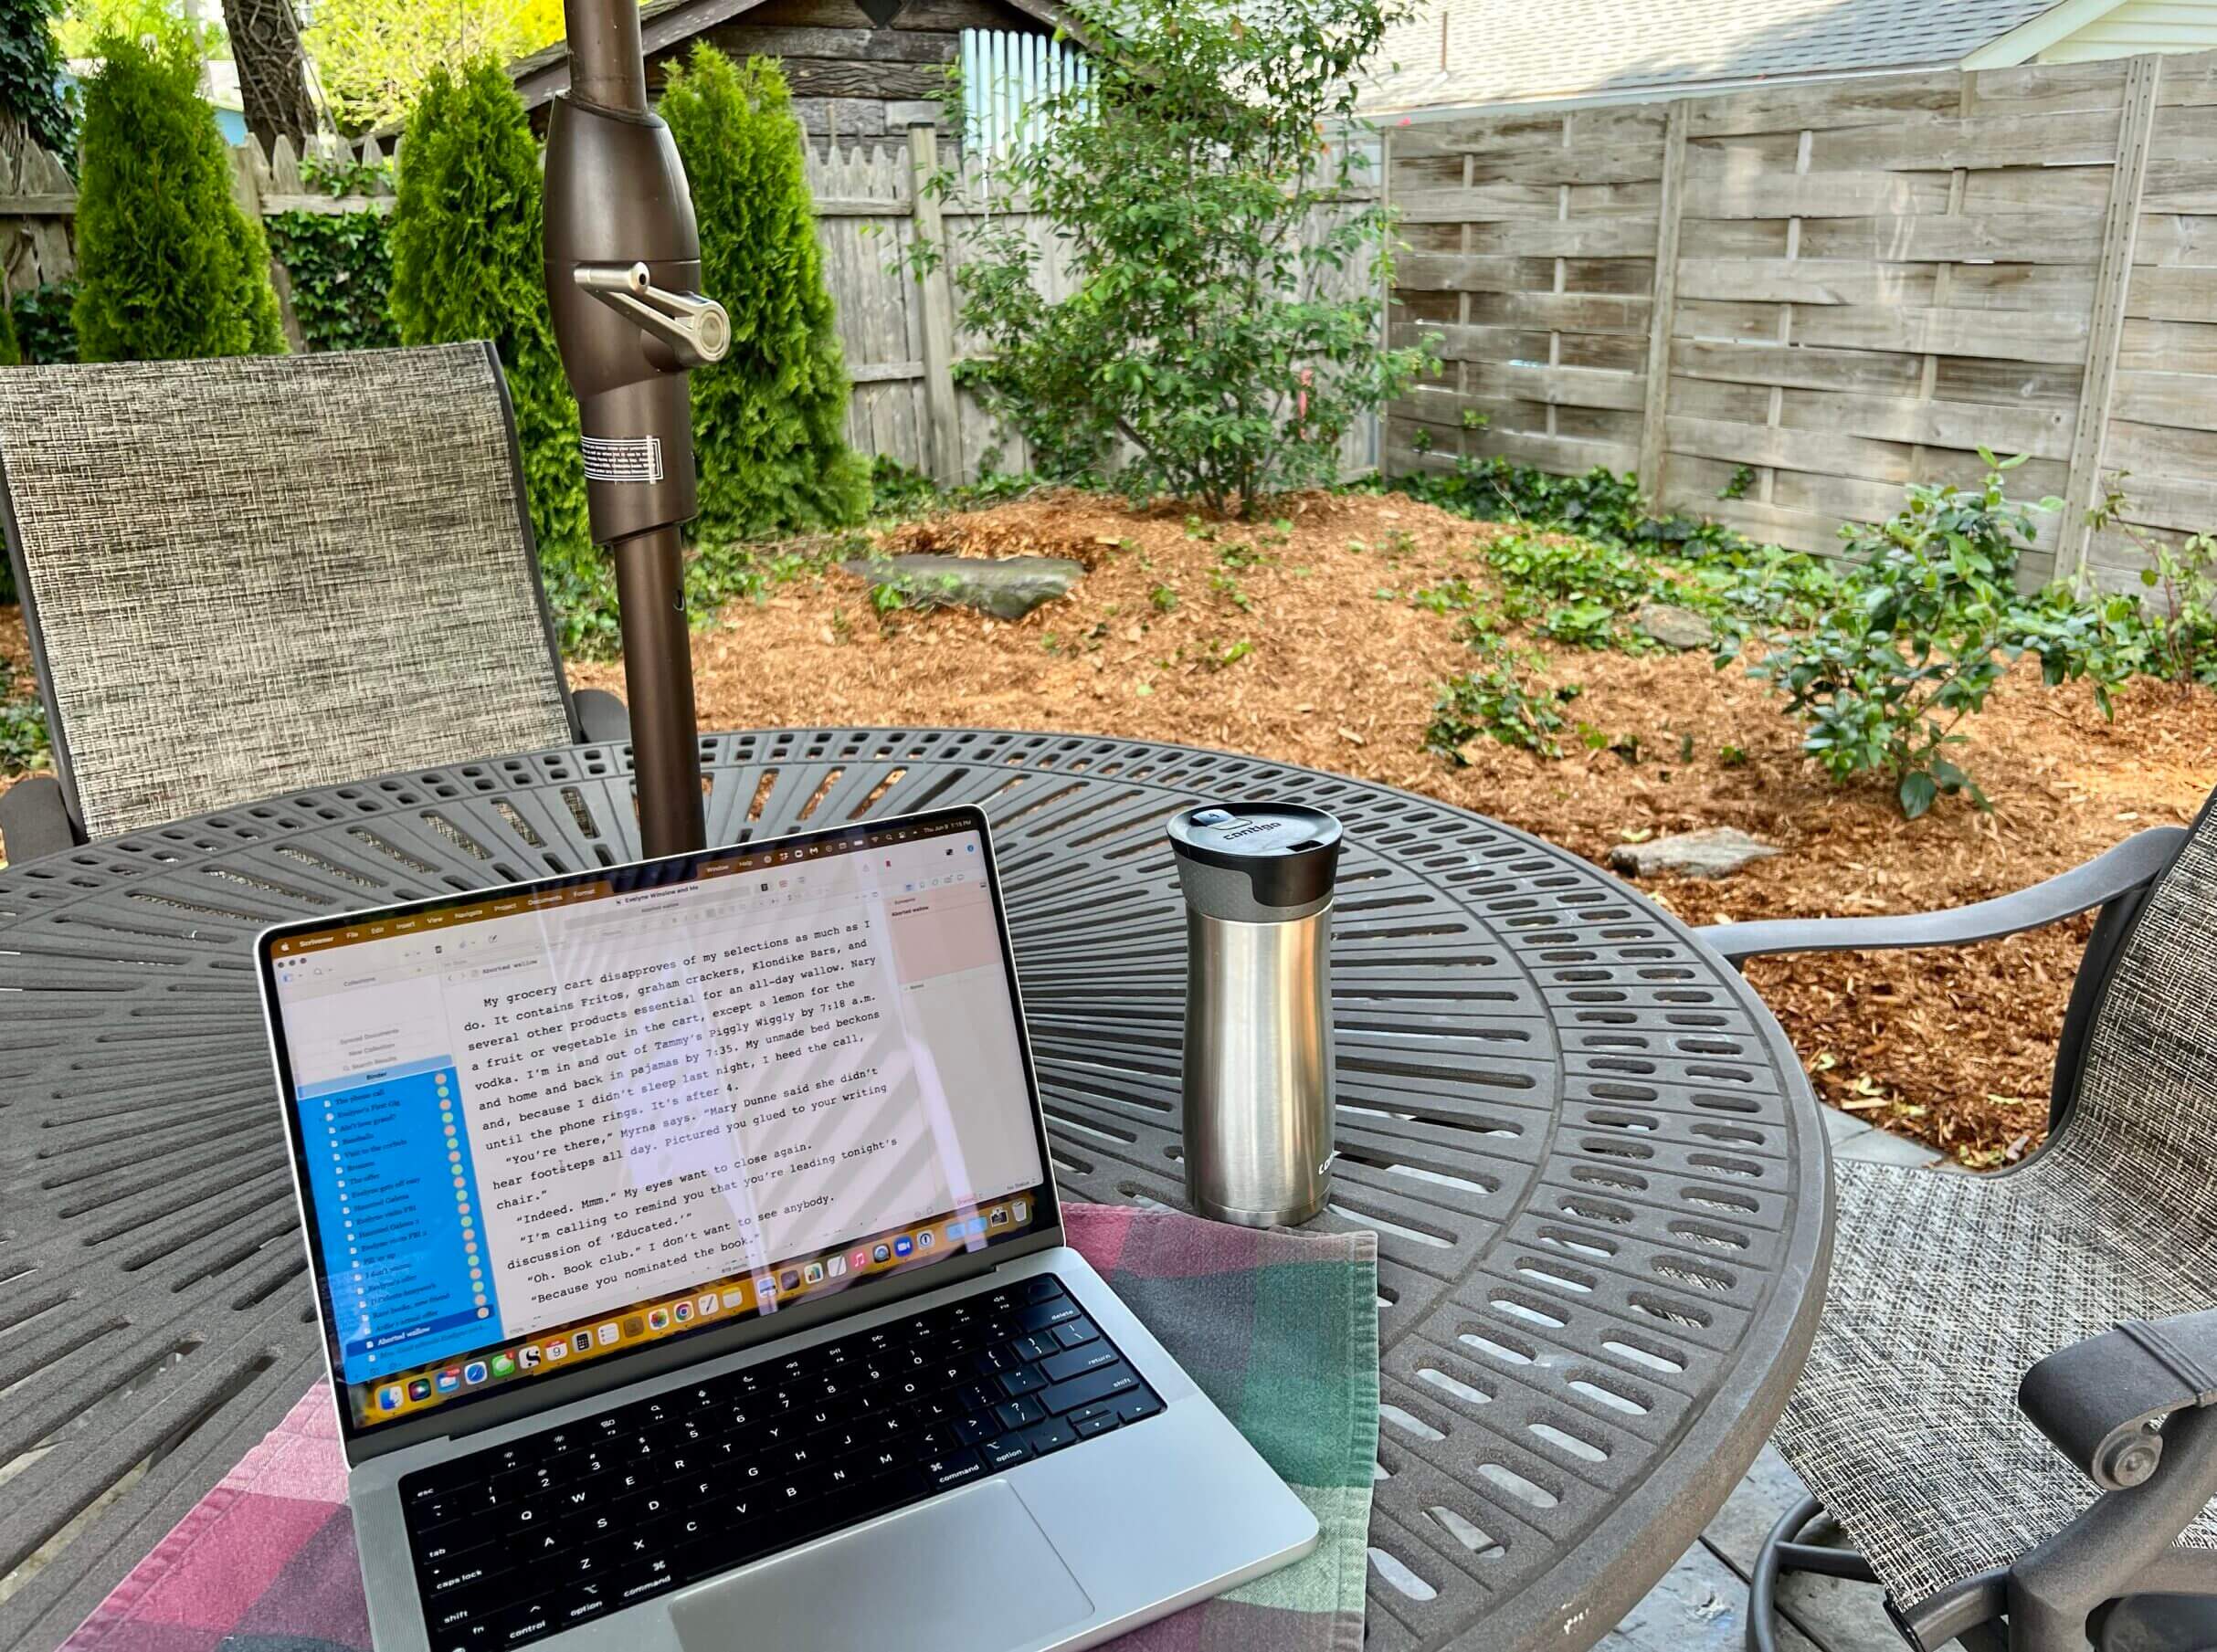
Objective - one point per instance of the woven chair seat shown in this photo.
(1946, 1287)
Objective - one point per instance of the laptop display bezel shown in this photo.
(549, 1391)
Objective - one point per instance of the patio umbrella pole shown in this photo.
(623, 276)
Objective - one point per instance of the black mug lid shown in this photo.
(1290, 853)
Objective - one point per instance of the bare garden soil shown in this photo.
(1340, 670)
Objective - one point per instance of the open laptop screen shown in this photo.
(563, 1122)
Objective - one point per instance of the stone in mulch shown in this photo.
(1717, 853)
(1674, 627)
(1006, 588)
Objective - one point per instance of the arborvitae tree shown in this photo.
(467, 264)
(769, 420)
(171, 267)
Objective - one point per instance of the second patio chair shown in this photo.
(2009, 1408)
(249, 576)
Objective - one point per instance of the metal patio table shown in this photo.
(1596, 1171)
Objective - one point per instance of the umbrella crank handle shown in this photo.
(691, 330)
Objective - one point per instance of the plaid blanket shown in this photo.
(1280, 1330)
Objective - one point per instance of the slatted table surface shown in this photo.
(1596, 1172)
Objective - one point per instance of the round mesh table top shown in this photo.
(1595, 1170)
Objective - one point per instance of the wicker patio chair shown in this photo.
(2006, 1408)
(245, 577)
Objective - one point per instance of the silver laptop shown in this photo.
(691, 1270)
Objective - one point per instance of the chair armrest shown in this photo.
(34, 820)
(2138, 860)
(2099, 1399)
(603, 717)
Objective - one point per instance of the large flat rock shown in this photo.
(1717, 853)
(1008, 587)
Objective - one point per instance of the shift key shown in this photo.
(1086, 1390)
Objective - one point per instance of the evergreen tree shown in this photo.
(769, 420)
(172, 268)
(467, 264)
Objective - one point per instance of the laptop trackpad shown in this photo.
(967, 1572)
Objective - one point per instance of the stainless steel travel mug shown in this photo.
(1258, 1079)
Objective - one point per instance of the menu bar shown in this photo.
(717, 865)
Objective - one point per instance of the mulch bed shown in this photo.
(1951, 1048)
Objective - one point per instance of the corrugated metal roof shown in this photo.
(1499, 51)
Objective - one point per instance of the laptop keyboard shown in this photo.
(560, 1527)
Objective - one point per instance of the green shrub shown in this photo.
(340, 263)
(172, 268)
(1500, 700)
(1918, 635)
(11, 353)
(46, 322)
(30, 75)
(467, 264)
(769, 420)
(1185, 184)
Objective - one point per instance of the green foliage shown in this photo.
(340, 263)
(172, 270)
(1576, 591)
(1200, 327)
(2175, 634)
(1601, 504)
(46, 322)
(769, 420)
(1917, 637)
(373, 57)
(30, 75)
(23, 726)
(467, 264)
(1742, 478)
(11, 353)
(1500, 700)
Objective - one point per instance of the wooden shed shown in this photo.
(847, 60)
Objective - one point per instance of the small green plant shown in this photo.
(1502, 700)
(173, 269)
(1226, 587)
(1163, 599)
(2177, 628)
(1742, 478)
(1917, 638)
(1473, 420)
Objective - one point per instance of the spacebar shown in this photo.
(1099, 1384)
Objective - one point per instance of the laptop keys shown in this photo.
(557, 1529)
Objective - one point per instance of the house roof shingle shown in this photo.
(1499, 51)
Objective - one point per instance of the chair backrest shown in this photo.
(2143, 1120)
(260, 575)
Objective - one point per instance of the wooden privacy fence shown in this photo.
(903, 335)
(900, 331)
(1841, 288)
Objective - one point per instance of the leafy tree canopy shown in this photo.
(1221, 331)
